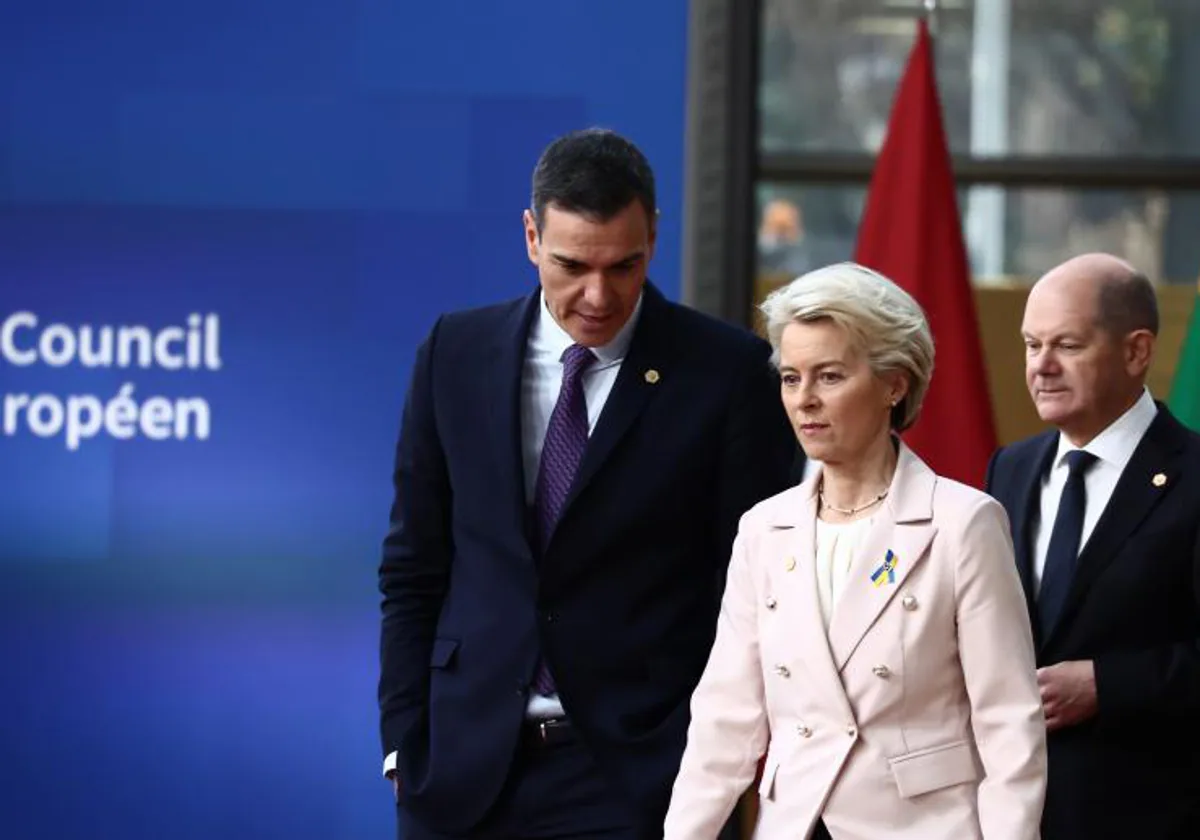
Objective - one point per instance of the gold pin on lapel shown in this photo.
(790, 563)
(1159, 480)
(652, 376)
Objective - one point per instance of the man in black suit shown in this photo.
(1106, 523)
(571, 469)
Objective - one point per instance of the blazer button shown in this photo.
(881, 671)
(782, 670)
(803, 731)
(909, 602)
(851, 731)
(770, 603)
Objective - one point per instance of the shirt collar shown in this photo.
(1115, 445)
(556, 340)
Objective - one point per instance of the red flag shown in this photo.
(910, 231)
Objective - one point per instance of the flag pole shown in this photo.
(931, 16)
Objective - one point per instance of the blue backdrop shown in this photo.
(224, 226)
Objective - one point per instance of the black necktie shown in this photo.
(1064, 542)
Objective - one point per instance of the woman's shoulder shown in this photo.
(947, 501)
(784, 509)
(960, 506)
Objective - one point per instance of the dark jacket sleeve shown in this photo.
(757, 460)
(417, 550)
(1140, 687)
(759, 448)
(989, 481)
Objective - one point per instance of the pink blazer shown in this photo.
(917, 715)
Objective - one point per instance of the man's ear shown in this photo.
(1139, 352)
(533, 237)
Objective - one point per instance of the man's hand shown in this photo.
(1068, 693)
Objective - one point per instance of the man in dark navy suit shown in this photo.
(570, 473)
(1106, 523)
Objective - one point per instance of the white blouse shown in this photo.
(837, 546)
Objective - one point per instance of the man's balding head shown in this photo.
(1089, 331)
(1123, 297)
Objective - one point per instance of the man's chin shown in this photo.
(1052, 414)
(594, 333)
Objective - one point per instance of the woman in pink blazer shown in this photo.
(873, 631)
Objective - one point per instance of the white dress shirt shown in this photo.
(541, 380)
(1113, 448)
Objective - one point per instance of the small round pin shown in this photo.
(652, 376)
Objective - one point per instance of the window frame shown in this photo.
(725, 166)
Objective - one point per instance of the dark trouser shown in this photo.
(820, 832)
(554, 790)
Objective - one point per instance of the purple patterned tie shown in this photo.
(562, 450)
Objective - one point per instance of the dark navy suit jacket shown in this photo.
(622, 602)
(1133, 608)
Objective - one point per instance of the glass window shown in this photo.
(1014, 235)
(1017, 77)
(801, 227)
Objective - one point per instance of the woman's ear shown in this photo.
(897, 388)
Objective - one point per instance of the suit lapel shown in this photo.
(795, 580)
(1148, 477)
(904, 527)
(503, 399)
(1028, 506)
(630, 393)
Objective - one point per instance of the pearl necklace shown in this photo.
(853, 510)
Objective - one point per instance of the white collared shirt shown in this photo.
(541, 381)
(1113, 448)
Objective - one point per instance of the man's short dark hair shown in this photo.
(595, 173)
(1127, 304)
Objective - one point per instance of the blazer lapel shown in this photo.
(903, 529)
(630, 393)
(1146, 480)
(795, 584)
(503, 420)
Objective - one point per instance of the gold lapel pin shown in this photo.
(652, 376)
(1159, 480)
(790, 563)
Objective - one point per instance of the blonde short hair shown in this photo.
(883, 320)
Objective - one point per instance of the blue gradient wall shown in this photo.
(188, 622)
